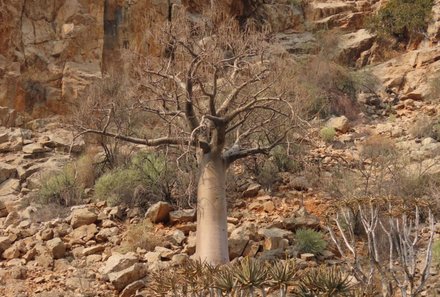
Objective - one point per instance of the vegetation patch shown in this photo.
(402, 18)
(310, 241)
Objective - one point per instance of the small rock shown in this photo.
(5, 243)
(268, 206)
(56, 247)
(178, 237)
(127, 276)
(252, 190)
(11, 252)
(131, 289)
(340, 124)
(307, 257)
(34, 148)
(93, 250)
(182, 216)
(7, 171)
(118, 262)
(159, 212)
(82, 216)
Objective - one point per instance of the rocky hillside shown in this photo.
(51, 50)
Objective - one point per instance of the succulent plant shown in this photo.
(325, 282)
(282, 274)
(251, 274)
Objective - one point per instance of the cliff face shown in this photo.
(49, 43)
(51, 49)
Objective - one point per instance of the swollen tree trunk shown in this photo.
(212, 232)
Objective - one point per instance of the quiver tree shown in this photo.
(216, 93)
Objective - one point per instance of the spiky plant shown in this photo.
(325, 282)
(282, 274)
(310, 241)
(251, 274)
(225, 281)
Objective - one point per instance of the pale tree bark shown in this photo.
(212, 231)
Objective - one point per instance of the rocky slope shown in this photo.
(50, 50)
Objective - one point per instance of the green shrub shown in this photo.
(145, 179)
(327, 134)
(436, 253)
(310, 241)
(402, 18)
(61, 187)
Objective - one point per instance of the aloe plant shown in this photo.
(282, 275)
(251, 274)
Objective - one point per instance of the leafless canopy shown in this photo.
(214, 88)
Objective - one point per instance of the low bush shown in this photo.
(327, 134)
(66, 186)
(310, 241)
(146, 179)
(402, 18)
(60, 188)
(426, 127)
(140, 235)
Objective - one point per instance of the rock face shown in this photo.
(45, 37)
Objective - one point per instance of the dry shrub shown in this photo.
(142, 236)
(378, 147)
(426, 127)
(327, 88)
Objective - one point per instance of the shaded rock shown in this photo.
(182, 216)
(56, 248)
(236, 247)
(131, 289)
(34, 148)
(7, 171)
(159, 212)
(351, 45)
(5, 243)
(306, 221)
(252, 190)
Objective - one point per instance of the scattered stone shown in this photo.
(93, 250)
(159, 212)
(182, 216)
(127, 276)
(340, 124)
(307, 257)
(56, 248)
(82, 216)
(131, 289)
(7, 171)
(252, 190)
(118, 262)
